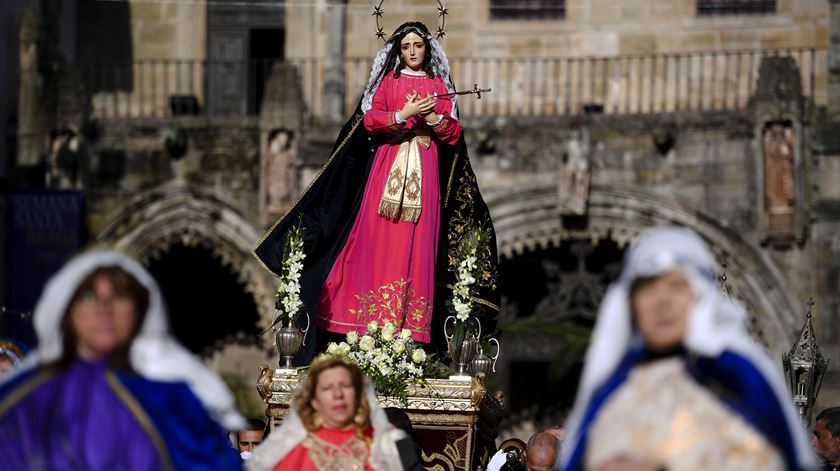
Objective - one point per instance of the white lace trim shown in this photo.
(440, 68)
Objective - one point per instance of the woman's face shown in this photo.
(660, 306)
(102, 319)
(413, 51)
(335, 397)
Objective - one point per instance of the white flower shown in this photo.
(352, 337)
(418, 356)
(389, 326)
(367, 343)
(387, 335)
(399, 346)
(372, 326)
(332, 348)
(344, 348)
(405, 334)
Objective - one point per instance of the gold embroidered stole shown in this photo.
(402, 197)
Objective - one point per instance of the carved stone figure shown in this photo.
(778, 142)
(279, 159)
(573, 176)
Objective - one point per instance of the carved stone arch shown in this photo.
(529, 220)
(152, 222)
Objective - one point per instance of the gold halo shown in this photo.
(380, 31)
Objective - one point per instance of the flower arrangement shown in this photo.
(388, 357)
(287, 298)
(472, 255)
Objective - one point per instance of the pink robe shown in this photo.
(386, 270)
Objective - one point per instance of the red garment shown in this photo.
(299, 458)
(385, 272)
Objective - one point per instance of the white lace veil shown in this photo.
(439, 63)
(384, 455)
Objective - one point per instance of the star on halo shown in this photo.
(440, 32)
(380, 33)
(377, 11)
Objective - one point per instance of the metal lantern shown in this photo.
(805, 367)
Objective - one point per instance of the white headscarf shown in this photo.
(440, 67)
(154, 353)
(384, 455)
(715, 324)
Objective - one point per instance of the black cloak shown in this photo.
(328, 208)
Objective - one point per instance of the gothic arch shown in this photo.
(529, 219)
(184, 214)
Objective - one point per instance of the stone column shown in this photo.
(335, 26)
(834, 62)
(30, 129)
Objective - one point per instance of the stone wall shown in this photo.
(591, 28)
(129, 157)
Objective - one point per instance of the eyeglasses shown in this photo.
(90, 298)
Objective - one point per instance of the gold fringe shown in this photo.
(389, 209)
(411, 214)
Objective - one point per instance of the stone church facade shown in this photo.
(606, 118)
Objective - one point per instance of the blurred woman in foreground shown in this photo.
(672, 379)
(108, 387)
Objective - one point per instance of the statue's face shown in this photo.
(413, 51)
(660, 306)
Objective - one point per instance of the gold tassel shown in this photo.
(389, 209)
(411, 214)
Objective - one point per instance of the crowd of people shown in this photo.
(671, 380)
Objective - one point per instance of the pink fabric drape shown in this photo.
(385, 271)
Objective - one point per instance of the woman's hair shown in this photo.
(393, 61)
(303, 400)
(124, 284)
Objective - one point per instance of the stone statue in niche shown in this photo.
(573, 176)
(778, 143)
(279, 160)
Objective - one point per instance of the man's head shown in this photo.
(542, 452)
(248, 438)
(826, 438)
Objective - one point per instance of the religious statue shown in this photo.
(279, 159)
(573, 181)
(383, 218)
(778, 142)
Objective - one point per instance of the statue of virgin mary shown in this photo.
(383, 219)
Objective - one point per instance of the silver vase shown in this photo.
(462, 354)
(482, 363)
(288, 340)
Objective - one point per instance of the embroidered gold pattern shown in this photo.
(394, 181)
(461, 221)
(412, 187)
(396, 302)
(668, 418)
(350, 455)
